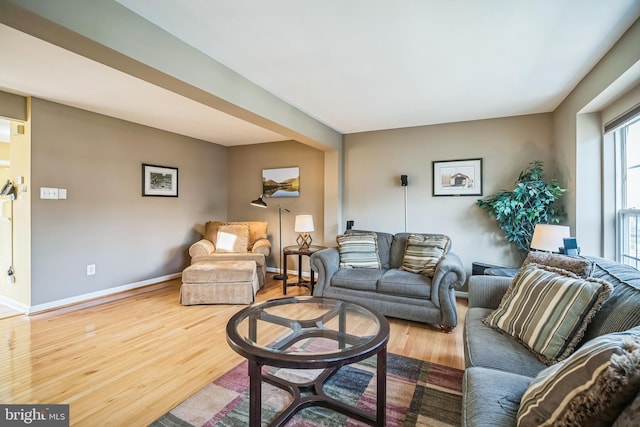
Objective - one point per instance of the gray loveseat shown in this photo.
(499, 369)
(391, 291)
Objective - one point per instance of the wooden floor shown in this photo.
(127, 359)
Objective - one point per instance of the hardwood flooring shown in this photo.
(126, 359)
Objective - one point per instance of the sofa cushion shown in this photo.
(548, 309)
(219, 272)
(398, 246)
(361, 279)
(257, 231)
(384, 245)
(621, 311)
(630, 415)
(232, 238)
(404, 284)
(423, 252)
(211, 230)
(592, 387)
(358, 250)
(489, 348)
(491, 398)
(582, 267)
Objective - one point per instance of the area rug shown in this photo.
(418, 394)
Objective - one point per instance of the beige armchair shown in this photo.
(234, 241)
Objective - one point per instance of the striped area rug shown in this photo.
(418, 394)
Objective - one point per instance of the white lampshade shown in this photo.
(304, 223)
(548, 237)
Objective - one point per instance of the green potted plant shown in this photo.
(533, 201)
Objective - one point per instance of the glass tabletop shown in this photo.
(306, 330)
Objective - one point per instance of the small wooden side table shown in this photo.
(296, 250)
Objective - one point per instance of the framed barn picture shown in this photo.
(457, 177)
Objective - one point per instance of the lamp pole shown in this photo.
(261, 204)
(282, 274)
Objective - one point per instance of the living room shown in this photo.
(98, 160)
(134, 241)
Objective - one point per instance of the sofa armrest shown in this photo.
(487, 291)
(325, 262)
(202, 247)
(449, 276)
(262, 246)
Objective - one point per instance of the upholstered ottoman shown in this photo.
(220, 282)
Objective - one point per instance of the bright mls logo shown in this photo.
(34, 415)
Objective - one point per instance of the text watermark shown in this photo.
(34, 415)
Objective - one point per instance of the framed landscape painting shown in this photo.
(281, 182)
(159, 181)
(457, 177)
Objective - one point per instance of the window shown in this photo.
(628, 221)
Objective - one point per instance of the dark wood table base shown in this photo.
(300, 252)
(315, 395)
(357, 334)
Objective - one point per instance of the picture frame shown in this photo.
(281, 182)
(457, 177)
(159, 181)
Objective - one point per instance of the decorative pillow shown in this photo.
(423, 252)
(591, 387)
(211, 230)
(630, 415)
(257, 231)
(358, 250)
(548, 309)
(232, 238)
(580, 266)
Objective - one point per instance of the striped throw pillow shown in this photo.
(423, 252)
(548, 309)
(591, 387)
(358, 250)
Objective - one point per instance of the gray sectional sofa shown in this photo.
(499, 369)
(391, 291)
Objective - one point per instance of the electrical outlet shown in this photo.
(91, 269)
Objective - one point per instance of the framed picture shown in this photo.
(457, 177)
(281, 182)
(159, 181)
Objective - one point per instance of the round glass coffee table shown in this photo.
(309, 333)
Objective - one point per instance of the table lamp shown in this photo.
(304, 226)
(548, 237)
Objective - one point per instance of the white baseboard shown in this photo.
(18, 306)
(293, 272)
(84, 297)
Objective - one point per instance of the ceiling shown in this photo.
(355, 66)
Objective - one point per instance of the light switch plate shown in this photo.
(48, 193)
(62, 193)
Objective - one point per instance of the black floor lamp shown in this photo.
(262, 204)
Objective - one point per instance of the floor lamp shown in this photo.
(260, 203)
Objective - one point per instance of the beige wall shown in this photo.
(245, 184)
(105, 221)
(578, 139)
(13, 106)
(374, 161)
(621, 105)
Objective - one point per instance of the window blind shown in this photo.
(623, 120)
